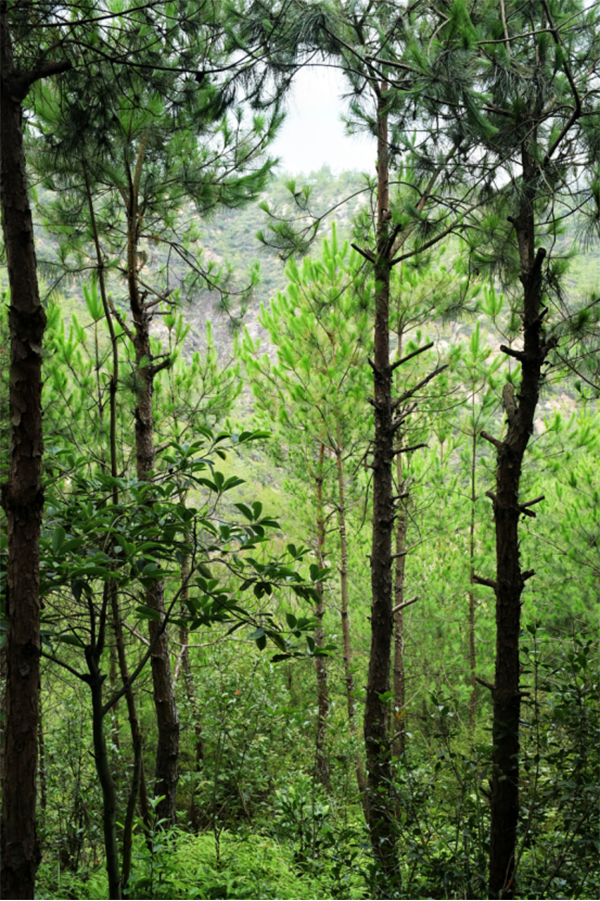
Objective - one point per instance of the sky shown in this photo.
(313, 134)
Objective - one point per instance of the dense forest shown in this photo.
(300, 527)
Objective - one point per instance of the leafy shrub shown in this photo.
(185, 866)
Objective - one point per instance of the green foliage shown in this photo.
(185, 866)
(464, 91)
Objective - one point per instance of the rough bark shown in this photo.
(509, 577)
(347, 644)
(22, 496)
(321, 760)
(167, 719)
(377, 744)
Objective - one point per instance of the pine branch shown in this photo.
(408, 357)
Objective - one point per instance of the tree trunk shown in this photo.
(2, 712)
(347, 646)
(399, 720)
(321, 761)
(509, 578)
(190, 690)
(167, 719)
(399, 726)
(138, 762)
(22, 498)
(472, 659)
(42, 761)
(138, 780)
(109, 800)
(186, 666)
(114, 713)
(381, 805)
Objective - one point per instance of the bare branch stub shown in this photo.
(497, 444)
(364, 252)
(511, 352)
(409, 448)
(489, 583)
(536, 500)
(405, 604)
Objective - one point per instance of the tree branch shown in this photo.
(409, 448)
(405, 604)
(497, 444)
(367, 254)
(419, 385)
(489, 583)
(21, 80)
(517, 354)
(121, 321)
(408, 357)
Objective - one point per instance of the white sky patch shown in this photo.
(313, 134)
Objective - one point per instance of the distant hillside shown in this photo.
(229, 237)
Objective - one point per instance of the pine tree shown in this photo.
(132, 154)
(375, 48)
(22, 494)
(516, 91)
(40, 40)
(320, 327)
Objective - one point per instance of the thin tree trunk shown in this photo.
(509, 577)
(167, 719)
(2, 712)
(42, 761)
(472, 658)
(399, 727)
(347, 645)
(138, 781)
(321, 761)
(129, 815)
(186, 666)
(381, 805)
(109, 800)
(190, 692)
(112, 679)
(22, 495)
